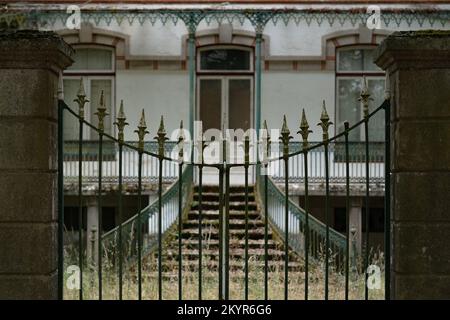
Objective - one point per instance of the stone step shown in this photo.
(213, 205)
(232, 189)
(255, 233)
(214, 197)
(238, 254)
(214, 243)
(233, 223)
(214, 214)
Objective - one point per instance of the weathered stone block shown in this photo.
(421, 145)
(421, 248)
(42, 287)
(418, 196)
(28, 143)
(28, 248)
(28, 93)
(407, 287)
(28, 197)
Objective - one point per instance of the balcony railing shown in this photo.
(316, 160)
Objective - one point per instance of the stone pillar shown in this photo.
(92, 228)
(418, 64)
(355, 218)
(30, 62)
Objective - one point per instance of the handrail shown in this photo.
(149, 218)
(276, 198)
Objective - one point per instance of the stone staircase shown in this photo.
(210, 236)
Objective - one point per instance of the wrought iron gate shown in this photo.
(144, 233)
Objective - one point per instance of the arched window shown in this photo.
(95, 64)
(352, 64)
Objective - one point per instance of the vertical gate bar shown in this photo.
(227, 232)
(139, 227)
(304, 131)
(387, 199)
(366, 256)
(180, 226)
(364, 99)
(161, 138)
(246, 151)
(160, 228)
(60, 199)
(80, 204)
(327, 220)
(120, 223)
(200, 221)
(285, 137)
(347, 206)
(286, 228)
(221, 203)
(100, 220)
(324, 124)
(121, 123)
(266, 236)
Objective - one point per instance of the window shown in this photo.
(352, 64)
(96, 66)
(228, 59)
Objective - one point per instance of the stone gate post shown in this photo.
(418, 64)
(30, 62)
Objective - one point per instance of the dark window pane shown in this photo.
(340, 220)
(239, 104)
(376, 220)
(211, 103)
(225, 59)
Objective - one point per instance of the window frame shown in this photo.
(352, 74)
(225, 71)
(96, 71)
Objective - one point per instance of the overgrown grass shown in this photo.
(210, 280)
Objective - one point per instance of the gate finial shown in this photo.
(265, 137)
(121, 122)
(304, 129)
(81, 99)
(161, 137)
(285, 137)
(141, 131)
(365, 97)
(101, 113)
(325, 122)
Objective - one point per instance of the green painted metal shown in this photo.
(347, 209)
(280, 212)
(304, 132)
(25, 16)
(387, 200)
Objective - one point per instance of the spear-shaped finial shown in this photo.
(285, 137)
(161, 137)
(365, 97)
(121, 122)
(81, 99)
(101, 113)
(265, 139)
(141, 131)
(325, 122)
(181, 142)
(304, 129)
